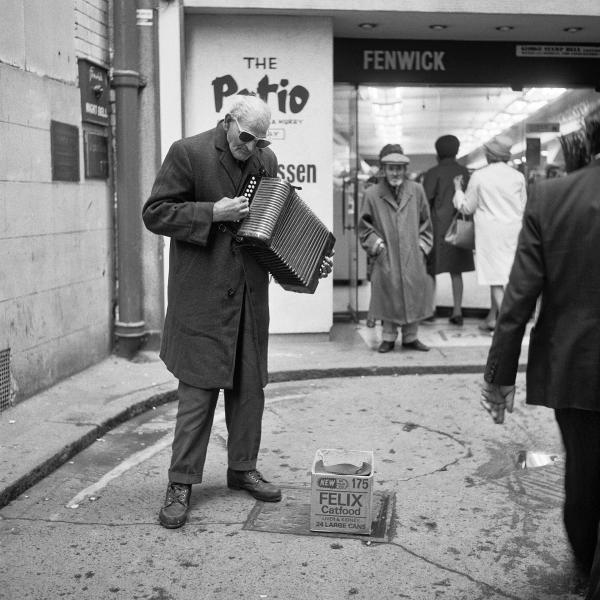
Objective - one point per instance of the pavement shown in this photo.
(454, 516)
(43, 432)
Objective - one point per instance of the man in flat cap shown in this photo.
(395, 228)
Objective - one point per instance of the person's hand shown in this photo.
(230, 209)
(379, 248)
(458, 182)
(497, 399)
(326, 266)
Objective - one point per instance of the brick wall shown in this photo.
(91, 30)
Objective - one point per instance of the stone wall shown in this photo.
(56, 237)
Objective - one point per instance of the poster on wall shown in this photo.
(288, 62)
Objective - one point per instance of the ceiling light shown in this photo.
(572, 29)
(367, 25)
(517, 107)
(534, 94)
(438, 27)
(505, 28)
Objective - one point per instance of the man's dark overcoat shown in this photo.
(557, 258)
(208, 273)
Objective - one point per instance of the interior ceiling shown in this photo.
(425, 113)
(417, 25)
(471, 26)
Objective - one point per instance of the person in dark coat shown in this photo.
(439, 187)
(557, 260)
(216, 328)
(395, 229)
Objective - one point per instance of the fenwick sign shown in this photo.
(515, 64)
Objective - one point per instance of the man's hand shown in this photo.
(230, 209)
(326, 266)
(379, 248)
(497, 399)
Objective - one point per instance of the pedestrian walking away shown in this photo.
(495, 196)
(557, 260)
(215, 333)
(439, 187)
(395, 229)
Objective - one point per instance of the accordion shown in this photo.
(283, 234)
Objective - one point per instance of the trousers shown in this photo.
(390, 332)
(244, 406)
(580, 430)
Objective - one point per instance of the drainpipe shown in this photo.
(126, 81)
(149, 163)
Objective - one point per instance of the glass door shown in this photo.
(346, 169)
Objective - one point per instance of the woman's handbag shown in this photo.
(461, 232)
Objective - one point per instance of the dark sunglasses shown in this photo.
(246, 136)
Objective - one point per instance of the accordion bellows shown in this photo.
(283, 234)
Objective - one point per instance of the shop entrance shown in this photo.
(413, 91)
(366, 117)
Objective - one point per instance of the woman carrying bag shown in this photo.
(447, 256)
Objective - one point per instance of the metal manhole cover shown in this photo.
(292, 515)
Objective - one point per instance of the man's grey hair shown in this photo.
(250, 110)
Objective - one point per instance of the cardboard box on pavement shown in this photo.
(341, 496)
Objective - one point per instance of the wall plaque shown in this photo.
(95, 149)
(64, 151)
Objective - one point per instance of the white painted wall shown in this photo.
(298, 50)
(170, 50)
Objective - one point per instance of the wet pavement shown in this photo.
(458, 516)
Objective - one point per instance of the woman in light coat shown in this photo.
(395, 228)
(496, 197)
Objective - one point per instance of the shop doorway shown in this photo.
(368, 116)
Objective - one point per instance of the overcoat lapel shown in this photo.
(404, 197)
(388, 197)
(225, 157)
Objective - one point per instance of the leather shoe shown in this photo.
(416, 345)
(174, 511)
(386, 347)
(456, 320)
(485, 326)
(255, 483)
